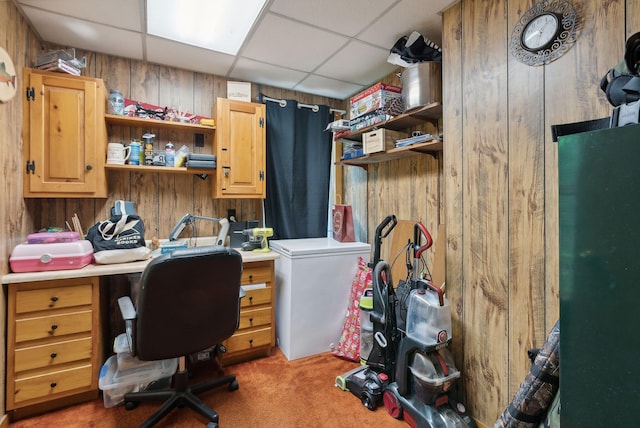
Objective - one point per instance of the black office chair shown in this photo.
(189, 301)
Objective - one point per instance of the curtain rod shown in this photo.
(313, 107)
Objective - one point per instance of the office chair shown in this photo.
(189, 301)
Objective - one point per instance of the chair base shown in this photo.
(181, 395)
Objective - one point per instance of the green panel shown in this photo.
(599, 203)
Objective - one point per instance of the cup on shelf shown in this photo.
(117, 153)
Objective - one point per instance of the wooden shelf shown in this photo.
(140, 122)
(429, 113)
(429, 147)
(160, 169)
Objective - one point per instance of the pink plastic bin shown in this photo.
(52, 237)
(57, 256)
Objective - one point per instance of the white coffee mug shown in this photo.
(117, 153)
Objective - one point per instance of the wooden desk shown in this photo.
(55, 324)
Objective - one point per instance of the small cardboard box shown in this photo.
(381, 140)
(372, 98)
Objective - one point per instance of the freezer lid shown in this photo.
(316, 246)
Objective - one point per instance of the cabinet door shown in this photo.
(64, 144)
(240, 149)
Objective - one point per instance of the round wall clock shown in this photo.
(544, 33)
(7, 77)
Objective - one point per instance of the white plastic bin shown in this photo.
(115, 383)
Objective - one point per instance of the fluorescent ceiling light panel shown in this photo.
(219, 25)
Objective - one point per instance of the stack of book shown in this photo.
(201, 161)
(59, 65)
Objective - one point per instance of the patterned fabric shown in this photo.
(348, 346)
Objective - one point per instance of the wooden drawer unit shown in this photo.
(54, 350)
(255, 336)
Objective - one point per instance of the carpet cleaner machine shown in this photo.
(411, 371)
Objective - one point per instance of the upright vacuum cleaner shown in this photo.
(368, 381)
(424, 368)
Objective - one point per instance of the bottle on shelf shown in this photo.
(148, 148)
(170, 153)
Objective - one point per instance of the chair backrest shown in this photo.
(189, 300)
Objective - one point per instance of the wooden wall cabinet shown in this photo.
(240, 148)
(53, 343)
(255, 336)
(64, 136)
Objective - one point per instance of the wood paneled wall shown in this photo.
(500, 179)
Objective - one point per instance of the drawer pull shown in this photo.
(53, 384)
(53, 355)
(251, 320)
(250, 299)
(250, 277)
(250, 341)
(54, 299)
(53, 328)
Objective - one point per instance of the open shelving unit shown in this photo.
(140, 122)
(428, 113)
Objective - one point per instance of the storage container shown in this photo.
(115, 383)
(56, 256)
(421, 84)
(428, 318)
(52, 237)
(381, 140)
(430, 377)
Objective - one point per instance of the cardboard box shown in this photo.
(381, 140)
(372, 98)
(239, 91)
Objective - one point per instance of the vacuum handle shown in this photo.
(432, 287)
(381, 232)
(418, 230)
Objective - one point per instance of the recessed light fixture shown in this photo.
(219, 25)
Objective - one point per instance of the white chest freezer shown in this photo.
(313, 284)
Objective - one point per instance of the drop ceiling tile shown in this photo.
(357, 63)
(266, 74)
(387, 31)
(187, 57)
(81, 34)
(290, 44)
(326, 87)
(117, 13)
(344, 17)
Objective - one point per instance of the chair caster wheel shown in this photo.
(130, 405)
(234, 385)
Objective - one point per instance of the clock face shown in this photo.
(540, 32)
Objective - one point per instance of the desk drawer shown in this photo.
(255, 318)
(249, 340)
(53, 326)
(51, 355)
(50, 384)
(50, 298)
(256, 273)
(256, 297)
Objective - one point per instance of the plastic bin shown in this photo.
(126, 360)
(115, 383)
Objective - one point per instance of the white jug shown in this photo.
(117, 153)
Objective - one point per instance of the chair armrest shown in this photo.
(128, 315)
(126, 308)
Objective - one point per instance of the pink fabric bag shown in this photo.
(348, 346)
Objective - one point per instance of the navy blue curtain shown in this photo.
(298, 169)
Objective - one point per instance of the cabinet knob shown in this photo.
(250, 299)
(89, 167)
(251, 320)
(250, 277)
(53, 355)
(53, 384)
(54, 299)
(250, 341)
(54, 327)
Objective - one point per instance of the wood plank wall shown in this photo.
(500, 180)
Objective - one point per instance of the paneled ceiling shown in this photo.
(332, 48)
